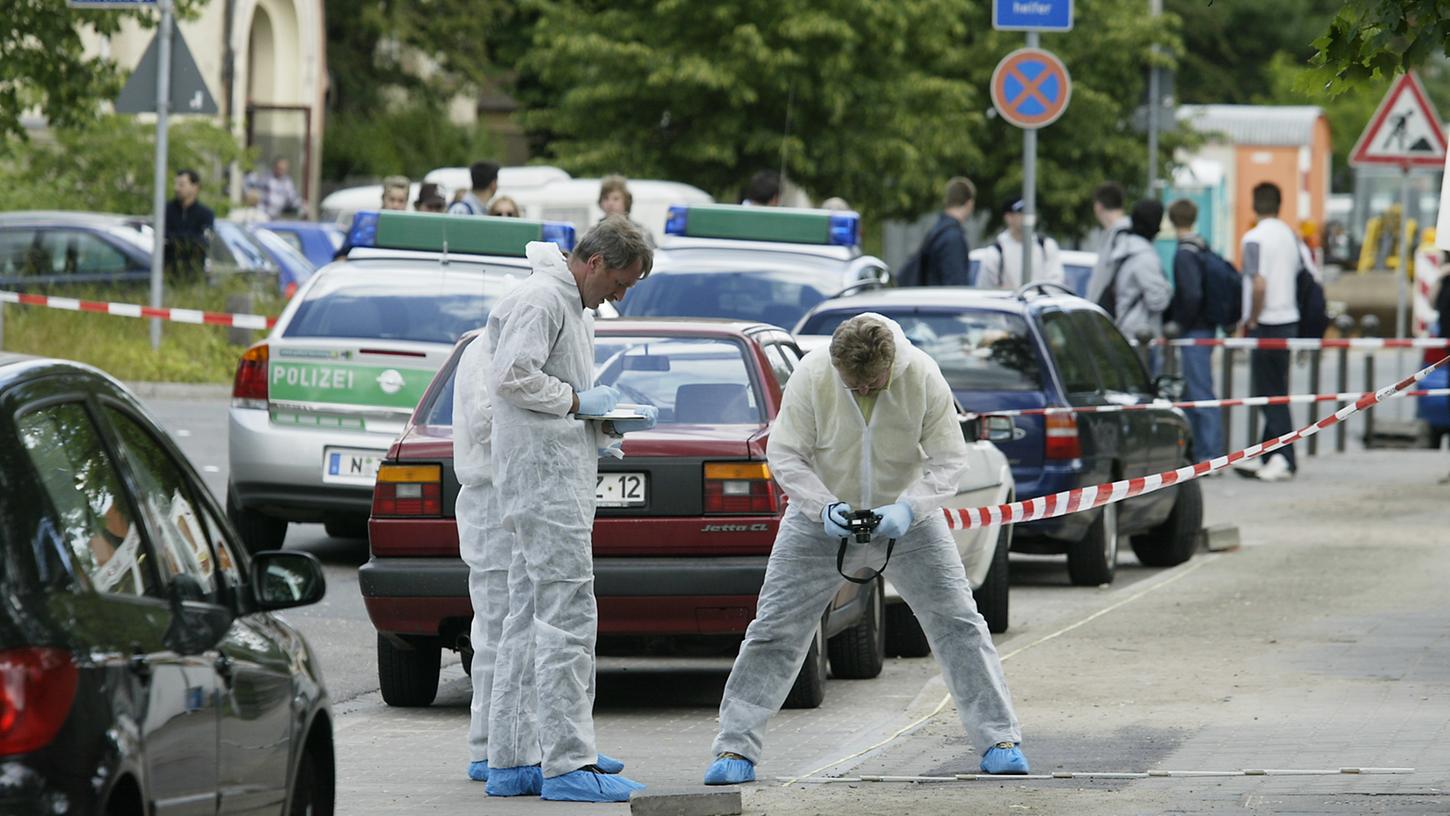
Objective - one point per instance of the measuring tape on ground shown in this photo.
(1085, 498)
(195, 316)
(1155, 774)
(1163, 405)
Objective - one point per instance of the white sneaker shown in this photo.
(1276, 469)
(1249, 468)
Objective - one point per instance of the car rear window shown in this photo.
(432, 317)
(977, 350)
(779, 297)
(691, 380)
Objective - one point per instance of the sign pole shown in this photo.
(1029, 186)
(158, 202)
(1401, 304)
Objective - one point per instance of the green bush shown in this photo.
(121, 346)
(411, 140)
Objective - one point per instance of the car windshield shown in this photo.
(776, 296)
(977, 350)
(419, 308)
(692, 381)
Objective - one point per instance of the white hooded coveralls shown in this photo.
(822, 450)
(545, 462)
(482, 542)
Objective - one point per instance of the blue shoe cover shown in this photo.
(1004, 761)
(588, 786)
(478, 771)
(608, 764)
(525, 780)
(730, 771)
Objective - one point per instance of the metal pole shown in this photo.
(1402, 304)
(1314, 406)
(158, 199)
(1029, 186)
(1155, 9)
(1341, 431)
(1368, 385)
(1226, 391)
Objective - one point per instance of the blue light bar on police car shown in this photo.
(464, 234)
(785, 224)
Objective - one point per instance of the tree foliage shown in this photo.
(1376, 39)
(43, 65)
(107, 165)
(869, 101)
(1229, 45)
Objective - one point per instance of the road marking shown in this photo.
(1179, 574)
(183, 433)
(211, 469)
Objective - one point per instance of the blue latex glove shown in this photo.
(651, 415)
(833, 516)
(598, 400)
(895, 518)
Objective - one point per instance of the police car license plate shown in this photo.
(351, 465)
(619, 490)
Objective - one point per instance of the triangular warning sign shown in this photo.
(1405, 130)
(189, 93)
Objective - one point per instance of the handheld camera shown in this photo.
(862, 524)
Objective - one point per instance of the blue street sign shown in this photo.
(1032, 15)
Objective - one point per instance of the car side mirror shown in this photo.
(1169, 387)
(283, 580)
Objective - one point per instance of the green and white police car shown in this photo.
(317, 403)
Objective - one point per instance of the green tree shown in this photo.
(1229, 45)
(106, 166)
(43, 65)
(1376, 39)
(869, 101)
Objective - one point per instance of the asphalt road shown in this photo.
(1322, 643)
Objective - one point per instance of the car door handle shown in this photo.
(223, 666)
(140, 665)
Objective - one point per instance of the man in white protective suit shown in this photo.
(868, 423)
(545, 464)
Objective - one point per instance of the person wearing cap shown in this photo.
(1002, 263)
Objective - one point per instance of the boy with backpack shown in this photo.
(1207, 294)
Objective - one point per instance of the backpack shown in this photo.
(1313, 311)
(1223, 289)
(913, 272)
(1002, 255)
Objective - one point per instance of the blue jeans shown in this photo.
(1197, 363)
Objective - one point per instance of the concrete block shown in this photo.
(1221, 538)
(695, 801)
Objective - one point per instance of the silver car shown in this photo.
(316, 405)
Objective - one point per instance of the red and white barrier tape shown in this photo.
(241, 321)
(1084, 498)
(1156, 405)
(1308, 343)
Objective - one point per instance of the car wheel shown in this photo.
(258, 532)
(408, 676)
(809, 690)
(991, 596)
(1173, 542)
(343, 527)
(313, 789)
(1093, 560)
(859, 653)
(904, 635)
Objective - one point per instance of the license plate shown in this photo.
(351, 466)
(619, 490)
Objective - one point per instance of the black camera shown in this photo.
(862, 524)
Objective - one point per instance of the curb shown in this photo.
(173, 390)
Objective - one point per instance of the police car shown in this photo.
(758, 264)
(316, 404)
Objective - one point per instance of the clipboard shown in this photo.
(623, 410)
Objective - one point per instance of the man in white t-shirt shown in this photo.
(1002, 263)
(1271, 260)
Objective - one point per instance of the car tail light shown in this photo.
(1061, 440)
(408, 490)
(740, 487)
(37, 686)
(249, 386)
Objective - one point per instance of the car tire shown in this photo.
(408, 676)
(1092, 560)
(258, 532)
(343, 527)
(313, 790)
(1174, 541)
(859, 653)
(904, 635)
(809, 690)
(992, 595)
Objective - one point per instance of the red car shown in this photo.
(684, 526)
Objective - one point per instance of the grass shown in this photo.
(121, 346)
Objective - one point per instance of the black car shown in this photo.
(141, 671)
(1043, 346)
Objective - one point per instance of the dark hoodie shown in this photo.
(1186, 308)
